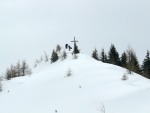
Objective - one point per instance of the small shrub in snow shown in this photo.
(102, 108)
(63, 55)
(124, 77)
(46, 57)
(55, 111)
(69, 72)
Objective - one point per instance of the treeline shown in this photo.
(56, 54)
(128, 60)
(20, 69)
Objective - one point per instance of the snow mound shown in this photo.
(91, 84)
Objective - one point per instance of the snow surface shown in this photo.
(91, 85)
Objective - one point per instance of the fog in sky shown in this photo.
(30, 27)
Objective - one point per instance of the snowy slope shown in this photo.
(48, 89)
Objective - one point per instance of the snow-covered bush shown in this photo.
(124, 77)
(69, 72)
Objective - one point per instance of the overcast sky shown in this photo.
(30, 27)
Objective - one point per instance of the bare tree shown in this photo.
(25, 70)
(132, 62)
(8, 74)
(58, 48)
(64, 55)
(102, 108)
(46, 57)
(41, 59)
(18, 68)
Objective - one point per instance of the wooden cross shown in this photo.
(75, 51)
(74, 41)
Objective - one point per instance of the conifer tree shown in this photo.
(95, 54)
(54, 56)
(102, 56)
(113, 56)
(146, 66)
(76, 50)
(106, 59)
(124, 60)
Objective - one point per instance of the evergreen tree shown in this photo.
(106, 59)
(76, 50)
(146, 66)
(124, 60)
(113, 56)
(54, 56)
(95, 54)
(102, 56)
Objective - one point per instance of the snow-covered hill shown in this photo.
(91, 84)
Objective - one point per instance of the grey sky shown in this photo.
(30, 27)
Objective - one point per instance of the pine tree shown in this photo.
(102, 56)
(113, 56)
(95, 54)
(54, 56)
(106, 59)
(124, 60)
(76, 50)
(146, 66)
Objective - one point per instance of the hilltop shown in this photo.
(93, 84)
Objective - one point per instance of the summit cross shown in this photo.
(74, 41)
